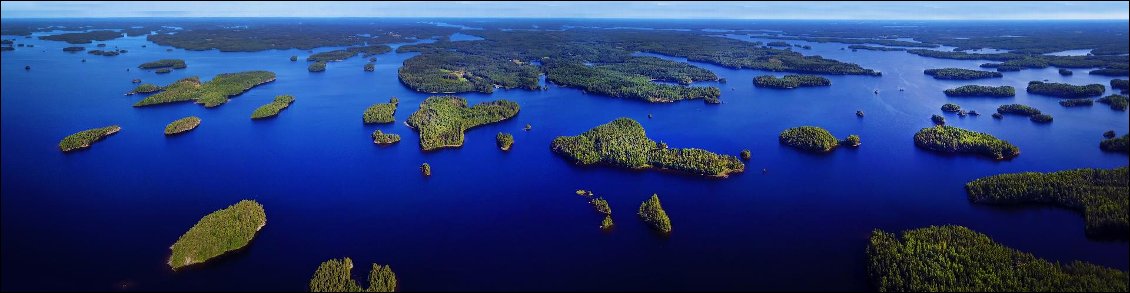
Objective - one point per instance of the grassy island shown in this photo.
(382, 138)
(791, 81)
(623, 143)
(83, 139)
(960, 74)
(949, 139)
(601, 205)
(273, 108)
(164, 63)
(505, 140)
(316, 67)
(210, 94)
(652, 213)
(809, 138)
(981, 91)
(957, 259)
(1117, 102)
(1100, 194)
(1121, 144)
(182, 125)
(1080, 102)
(217, 233)
(335, 275)
(380, 112)
(1064, 90)
(441, 120)
(145, 88)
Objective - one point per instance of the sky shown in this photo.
(860, 10)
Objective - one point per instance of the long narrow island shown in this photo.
(83, 139)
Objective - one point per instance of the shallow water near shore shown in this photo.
(486, 219)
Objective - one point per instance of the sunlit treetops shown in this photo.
(623, 143)
(210, 94)
(86, 138)
(441, 120)
(217, 233)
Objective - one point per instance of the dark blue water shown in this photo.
(490, 220)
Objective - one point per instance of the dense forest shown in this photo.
(624, 143)
(809, 138)
(84, 37)
(1101, 194)
(83, 139)
(380, 112)
(981, 90)
(1064, 90)
(145, 88)
(1116, 102)
(336, 275)
(182, 125)
(273, 108)
(960, 74)
(441, 120)
(504, 140)
(652, 213)
(1016, 61)
(173, 63)
(382, 138)
(790, 81)
(210, 94)
(455, 72)
(957, 259)
(1080, 102)
(949, 139)
(1118, 145)
(217, 233)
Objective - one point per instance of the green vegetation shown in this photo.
(981, 90)
(998, 116)
(382, 138)
(210, 94)
(182, 125)
(809, 138)
(791, 81)
(163, 63)
(938, 119)
(335, 275)
(1117, 102)
(1018, 109)
(960, 74)
(293, 58)
(505, 140)
(957, 259)
(369, 67)
(73, 49)
(371, 50)
(652, 212)
(273, 108)
(331, 56)
(380, 112)
(105, 53)
(454, 72)
(1064, 90)
(949, 139)
(745, 155)
(1121, 145)
(624, 143)
(1041, 118)
(1014, 61)
(283, 35)
(601, 205)
(1100, 194)
(852, 140)
(316, 67)
(163, 70)
(1077, 102)
(874, 48)
(217, 233)
(1108, 134)
(951, 107)
(426, 169)
(606, 223)
(83, 139)
(1065, 72)
(1120, 84)
(608, 82)
(145, 88)
(441, 120)
(1110, 72)
(84, 37)
(661, 69)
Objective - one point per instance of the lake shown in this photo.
(104, 218)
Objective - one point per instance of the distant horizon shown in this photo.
(657, 10)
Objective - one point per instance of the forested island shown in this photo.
(1116, 102)
(1024, 110)
(623, 143)
(960, 74)
(949, 139)
(380, 112)
(791, 81)
(182, 125)
(331, 56)
(981, 91)
(83, 139)
(1080, 102)
(441, 120)
(1118, 145)
(608, 82)
(210, 94)
(145, 88)
(163, 63)
(1065, 72)
(217, 233)
(273, 108)
(1100, 194)
(1064, 90)
(1014, 61)
(1110, 72)
(454, 72)
(382, 138)
(504, 140)
(316, 67)
(957, 259)
(1120, 84)
(336, 275)
(84, 37)
(950, 107)
(874, 48)
(809, 138)
(652, 213)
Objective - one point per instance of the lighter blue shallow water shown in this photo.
(492, 220)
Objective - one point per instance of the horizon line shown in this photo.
(580, 18)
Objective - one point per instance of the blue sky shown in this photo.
(862, 10)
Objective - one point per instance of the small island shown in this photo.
(210, 94)
(791, 81)
(601, 206)
(1120, 84)
(606, 223)
(745, 155)
(369, 67)
(1118, 145)
(957, 259)
(1110, 71)
(623, 143)
(951, 107)
(938, 119)
(145, 88)
(1065, 72)
(382, 138)
(1100, 194)
(182, 125)
(331, 56)
(380, 112)
(1116, 102)
(809, 138)
(505, 140)
(960, 74)
(1064, 90)
(652, 213)
(273, 108)
(163, 70)
(74, 49)
(441, 120)
(293, 58)
(83, 139)
(426, 169)
(1018, 109)
(316, 67)
(217, 233)
(852, 141)
(981, 91)
(336, 275)
(1080, 102)
(949, 139)
(164, 63)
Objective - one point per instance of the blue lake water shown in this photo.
(104, 218)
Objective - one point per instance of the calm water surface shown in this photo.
(104, 218)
